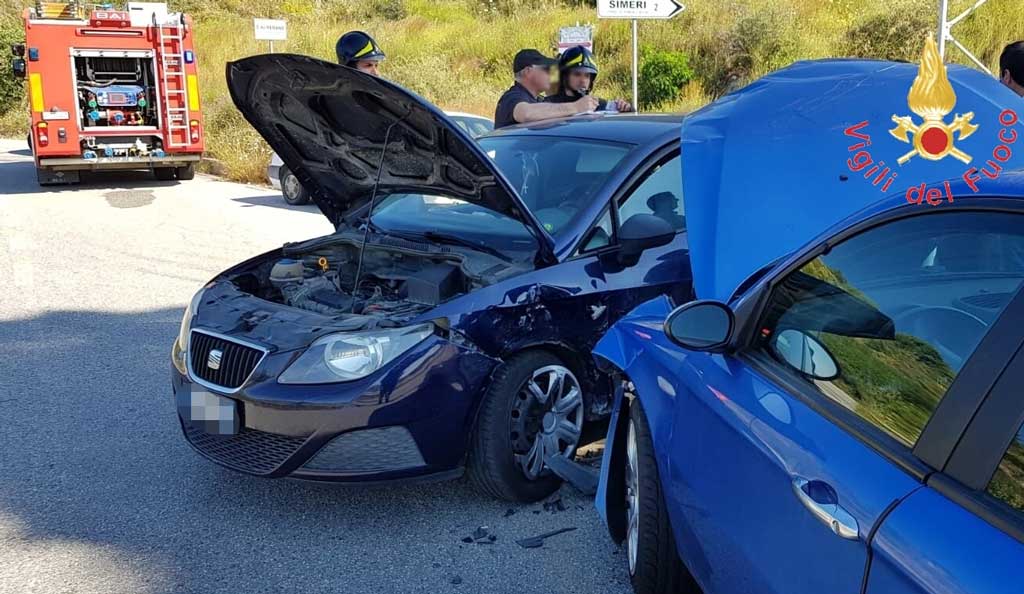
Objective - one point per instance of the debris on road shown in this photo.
(535, 542)
(481, 535)
(554, 503)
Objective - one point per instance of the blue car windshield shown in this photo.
(555, 177)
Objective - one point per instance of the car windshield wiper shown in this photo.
(456, 240)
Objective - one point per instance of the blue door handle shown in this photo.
(822, 501)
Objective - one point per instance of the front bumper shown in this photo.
(409, 420)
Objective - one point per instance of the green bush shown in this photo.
(662, 76)
(11, 89)
(757, 42)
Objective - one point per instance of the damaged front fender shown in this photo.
(617, 354)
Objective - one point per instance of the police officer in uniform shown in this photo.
(523, 103)
(358, 50)
(577, 71)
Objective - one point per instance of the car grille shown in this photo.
(252, 451)
(237, 361)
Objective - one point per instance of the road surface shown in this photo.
(100, 494)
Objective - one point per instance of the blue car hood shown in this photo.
(771, 166)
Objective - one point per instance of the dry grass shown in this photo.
(457, 53)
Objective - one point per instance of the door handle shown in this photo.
(822, 501)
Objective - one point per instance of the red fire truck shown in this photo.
(110, 89)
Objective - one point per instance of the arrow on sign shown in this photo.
(638, 9)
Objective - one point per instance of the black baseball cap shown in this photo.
(531, 57)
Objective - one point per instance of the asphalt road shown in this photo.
(98, 490)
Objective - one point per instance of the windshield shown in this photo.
(555, 177)
(426, 214)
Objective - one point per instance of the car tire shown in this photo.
(651, 557)
(291, 189)
(185, 173)
(501, 448)
(163, 173)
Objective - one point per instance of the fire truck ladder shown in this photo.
(172, 69)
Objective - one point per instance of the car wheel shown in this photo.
(185, 173)
(292, 190)
(654, 565)
(532, 409)
(163, 173)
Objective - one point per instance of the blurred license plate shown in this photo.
(212, 413)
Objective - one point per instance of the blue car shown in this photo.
(447, 324)
(839, 409)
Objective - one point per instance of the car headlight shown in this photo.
(180, 349)
(352, 355)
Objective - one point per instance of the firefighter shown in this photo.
(577, 72)
(522, 102)
(358, 50)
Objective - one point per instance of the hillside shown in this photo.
(457, 53)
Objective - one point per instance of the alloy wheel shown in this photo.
(291, 186)
(632, 499)
(547, 419)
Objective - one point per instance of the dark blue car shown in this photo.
(840, 409)
(450, 328)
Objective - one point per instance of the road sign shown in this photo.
(270, 29)
(638, 9)
(573, 36)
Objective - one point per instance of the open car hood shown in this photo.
(329, 123)
(765, 169)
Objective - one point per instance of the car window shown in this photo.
(601, 234)
(883, 323)
(473, 126)
(660, 194)
(1008, 482)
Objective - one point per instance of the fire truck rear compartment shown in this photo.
(115, 92)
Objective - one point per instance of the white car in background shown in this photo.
(295, 194)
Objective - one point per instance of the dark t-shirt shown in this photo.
(515, 95)
(563, 97)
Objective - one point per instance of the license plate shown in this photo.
(212, 413)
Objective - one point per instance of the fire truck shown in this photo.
(110, 89)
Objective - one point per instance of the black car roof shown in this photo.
(630, 128)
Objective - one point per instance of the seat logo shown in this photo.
(932, 98)
(213, 359)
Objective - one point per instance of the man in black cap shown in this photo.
(358, 50)
(1011, 67)
(522, 102)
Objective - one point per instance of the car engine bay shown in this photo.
(399, 279)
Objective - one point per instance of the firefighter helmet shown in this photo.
(577, 58)
(355, 46)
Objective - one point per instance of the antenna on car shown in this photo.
(369, 213)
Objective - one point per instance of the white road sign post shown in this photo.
(270, 30)
(636, 10)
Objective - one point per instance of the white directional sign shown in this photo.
(638, 9)
(270, 29)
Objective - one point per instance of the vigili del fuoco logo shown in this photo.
(931, 98)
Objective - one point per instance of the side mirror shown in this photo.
(642, 232)
(804, 353)
(18, 66)
(701, 325)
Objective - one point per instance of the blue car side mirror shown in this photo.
(701, 325)
(642, 232)
(18, 67)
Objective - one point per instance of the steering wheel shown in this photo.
(952, 332)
